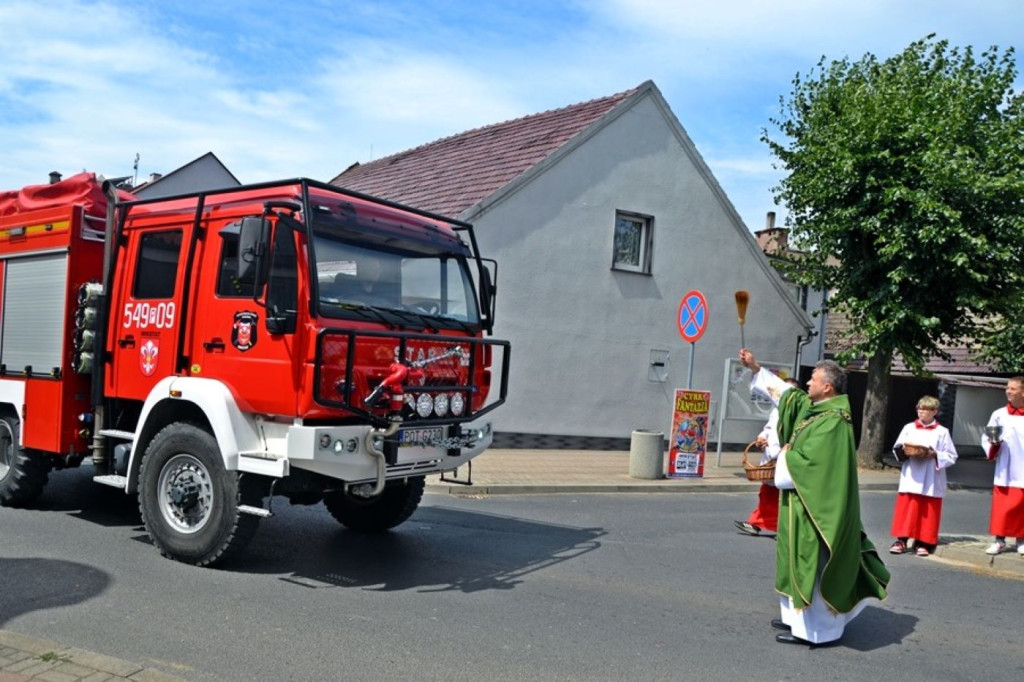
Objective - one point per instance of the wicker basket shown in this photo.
(755, 472)
(911, 450)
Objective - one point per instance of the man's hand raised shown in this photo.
(748, 360)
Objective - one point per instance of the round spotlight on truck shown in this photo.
(458, 404)
(441, 404)
(424, 405)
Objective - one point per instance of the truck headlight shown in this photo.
(441, 404)
(424, 405)
(457, 404)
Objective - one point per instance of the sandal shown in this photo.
(747, 527)
(898, 547)
(922, 551)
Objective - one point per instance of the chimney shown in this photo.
(54, 177)
(153, 177)
(772, 240)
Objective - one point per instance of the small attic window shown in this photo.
(632, 243)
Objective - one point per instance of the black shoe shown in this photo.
(788, 638)
(779, 625)
(748, 528)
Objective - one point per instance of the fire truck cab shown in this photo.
(212, 351)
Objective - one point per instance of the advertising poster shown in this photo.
(689, 440)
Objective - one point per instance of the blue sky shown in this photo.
(307, 87)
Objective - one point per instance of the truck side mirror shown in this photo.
(488, 289)
(253, 235)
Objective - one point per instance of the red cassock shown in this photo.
(1006, 519)
(917, 516)
(766, 514)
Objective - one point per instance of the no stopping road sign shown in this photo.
(693, 316)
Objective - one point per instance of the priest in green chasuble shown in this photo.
(825, 567)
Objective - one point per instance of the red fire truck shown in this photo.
(211, 351)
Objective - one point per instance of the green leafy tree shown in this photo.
(905, 188)
(1001, 344)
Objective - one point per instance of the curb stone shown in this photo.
(30, 658)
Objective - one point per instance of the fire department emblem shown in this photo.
(243, 332)
(148, 356)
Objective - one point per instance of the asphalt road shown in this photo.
(553, 587)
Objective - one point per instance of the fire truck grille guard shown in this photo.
(452, 379)
(416, 468)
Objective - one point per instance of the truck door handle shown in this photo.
(127, 342)
(214, 345)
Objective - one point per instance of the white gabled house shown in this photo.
(601, 215)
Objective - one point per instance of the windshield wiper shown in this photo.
(454, 320)
(367, 311)
(414, 317)
(388, 315)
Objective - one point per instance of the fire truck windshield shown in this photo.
(416, 284)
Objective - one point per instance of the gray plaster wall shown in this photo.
(974, 406)
(581, 332)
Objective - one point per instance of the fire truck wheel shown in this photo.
(23, 472)
(376, 514)
(189, 501)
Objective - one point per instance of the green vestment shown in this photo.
(824, 508)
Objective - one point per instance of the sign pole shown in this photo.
(689, 372)
(691, 412)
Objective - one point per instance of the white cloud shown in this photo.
(89, 83)
(400, 86)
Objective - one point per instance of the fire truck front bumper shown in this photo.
(352, 453)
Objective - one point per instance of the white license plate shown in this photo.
(420, 436)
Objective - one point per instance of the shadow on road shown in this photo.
(72, 491)
(35, 584)
(877, 628)
(439, 549)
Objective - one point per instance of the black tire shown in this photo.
(376, 514)
(23, 472)
(189, 501)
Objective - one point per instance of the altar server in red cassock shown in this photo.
(922, 480)
(766, 514)
(1003, 442)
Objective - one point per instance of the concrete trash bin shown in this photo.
(646, 454)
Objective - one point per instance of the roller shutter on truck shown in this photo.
(34, 296)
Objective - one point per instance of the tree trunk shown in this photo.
(876, 411)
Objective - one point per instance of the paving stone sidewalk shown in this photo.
(502, 471)
(29, 658)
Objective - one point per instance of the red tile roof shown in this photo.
(840, 335)
(455, 173)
